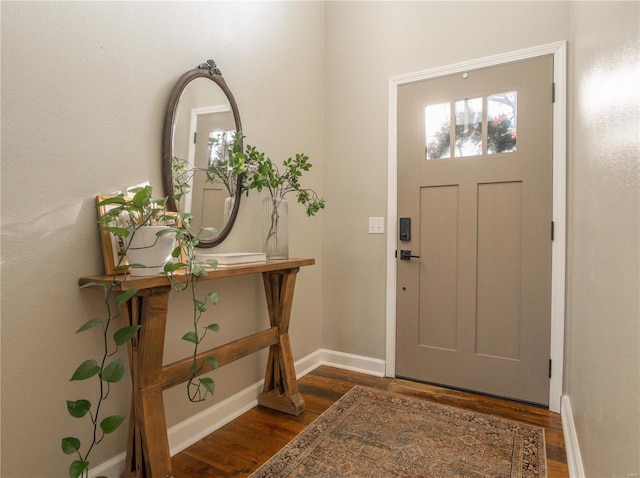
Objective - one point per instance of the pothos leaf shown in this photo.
(77, 468)
(122, 297)
(118, 231)
(110, 424)
(125, 333)
(213, 363)
(79, 408)
(87, 369)
(89, 324)
(172, 266)
(199, 305)
(190, 337)
(113, 200)
(208, 383)
(70, 445)
(113, 372)
(104, 285)
(212, 297)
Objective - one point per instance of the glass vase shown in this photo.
(275, 228)
(228, 209)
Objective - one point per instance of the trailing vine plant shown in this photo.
(124, 219)
(194, 270)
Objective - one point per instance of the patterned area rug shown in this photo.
(372, 433)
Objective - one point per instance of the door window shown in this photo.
(474, 133)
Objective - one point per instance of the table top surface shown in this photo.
(128, 282)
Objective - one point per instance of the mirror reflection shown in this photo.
(202, 120)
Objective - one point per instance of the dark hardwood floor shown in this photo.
(240, 447)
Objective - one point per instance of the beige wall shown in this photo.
(603, 287)
(84, 87)
(84, 91)
(366, 44)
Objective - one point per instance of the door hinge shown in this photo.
(553, 92)
(550, 368)
(553, 230)
(194, 137)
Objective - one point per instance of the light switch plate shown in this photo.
(376, 225)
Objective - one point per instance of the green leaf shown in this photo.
(214, 327)
(213, 363)
(163, 232)
(190, 337)
(77, 468)
(104, 285)
(113, 372)
(70, 445)
(176, 252)
(212, 297)
(113, 200)
(212, 263)
(79, 408)
(197, 270)
(208, 383)
(111, 423)
(172, 267)
(122, 297)
(200, 306)
(89, 325)
(87, 369)
(211, 230)
(118, 231)
(123, 335)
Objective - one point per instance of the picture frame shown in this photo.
(111, 244)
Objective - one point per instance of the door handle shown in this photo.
(405, 255)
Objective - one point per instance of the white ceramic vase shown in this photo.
(149, 250)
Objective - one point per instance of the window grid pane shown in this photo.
(502, 122)
(468, 127)
(437, 120)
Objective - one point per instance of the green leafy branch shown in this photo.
(260, 172)
(107, 372)
(194, 270)
(227, 166)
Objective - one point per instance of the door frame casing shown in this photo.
(558, 249)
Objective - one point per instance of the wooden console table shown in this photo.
(148, 444)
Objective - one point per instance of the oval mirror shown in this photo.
(201, 121)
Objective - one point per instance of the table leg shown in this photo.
(280, 385)
(148, 444)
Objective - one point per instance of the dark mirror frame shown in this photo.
(205, 70)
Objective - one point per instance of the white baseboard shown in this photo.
(574, 459)
(202, 424)
(345, 361)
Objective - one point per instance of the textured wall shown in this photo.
(84, 90)
(603, 286)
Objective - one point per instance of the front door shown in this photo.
(475, 180)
